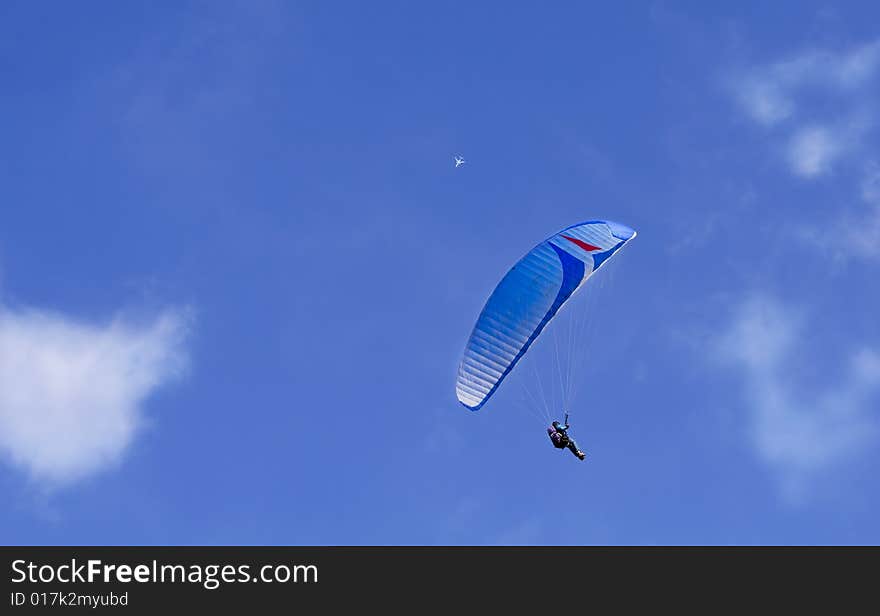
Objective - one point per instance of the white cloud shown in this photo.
(871, 185)
(867, 366)
(769, 93)
(863, 232)
(819, 136)
(793, 429)
(527, 532)
(71, 393)
(812, 150)
(856, 67)
(765, 101)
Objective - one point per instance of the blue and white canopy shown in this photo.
(527, 298)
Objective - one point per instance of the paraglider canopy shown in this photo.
(527, 299)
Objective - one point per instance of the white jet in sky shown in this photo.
(458, 161)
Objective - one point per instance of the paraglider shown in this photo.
(526, 300)
(559, 437)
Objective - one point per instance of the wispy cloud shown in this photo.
(171, 100)
(863, 230)
(812, 150)
(857, 228)
(71, 393)
(527, 532)
(819, 108)
(770, 93)
(796, 428)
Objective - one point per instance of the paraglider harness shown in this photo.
(563, 433)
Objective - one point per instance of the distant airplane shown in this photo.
(458, 161)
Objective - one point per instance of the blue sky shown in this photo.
(238, 269)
